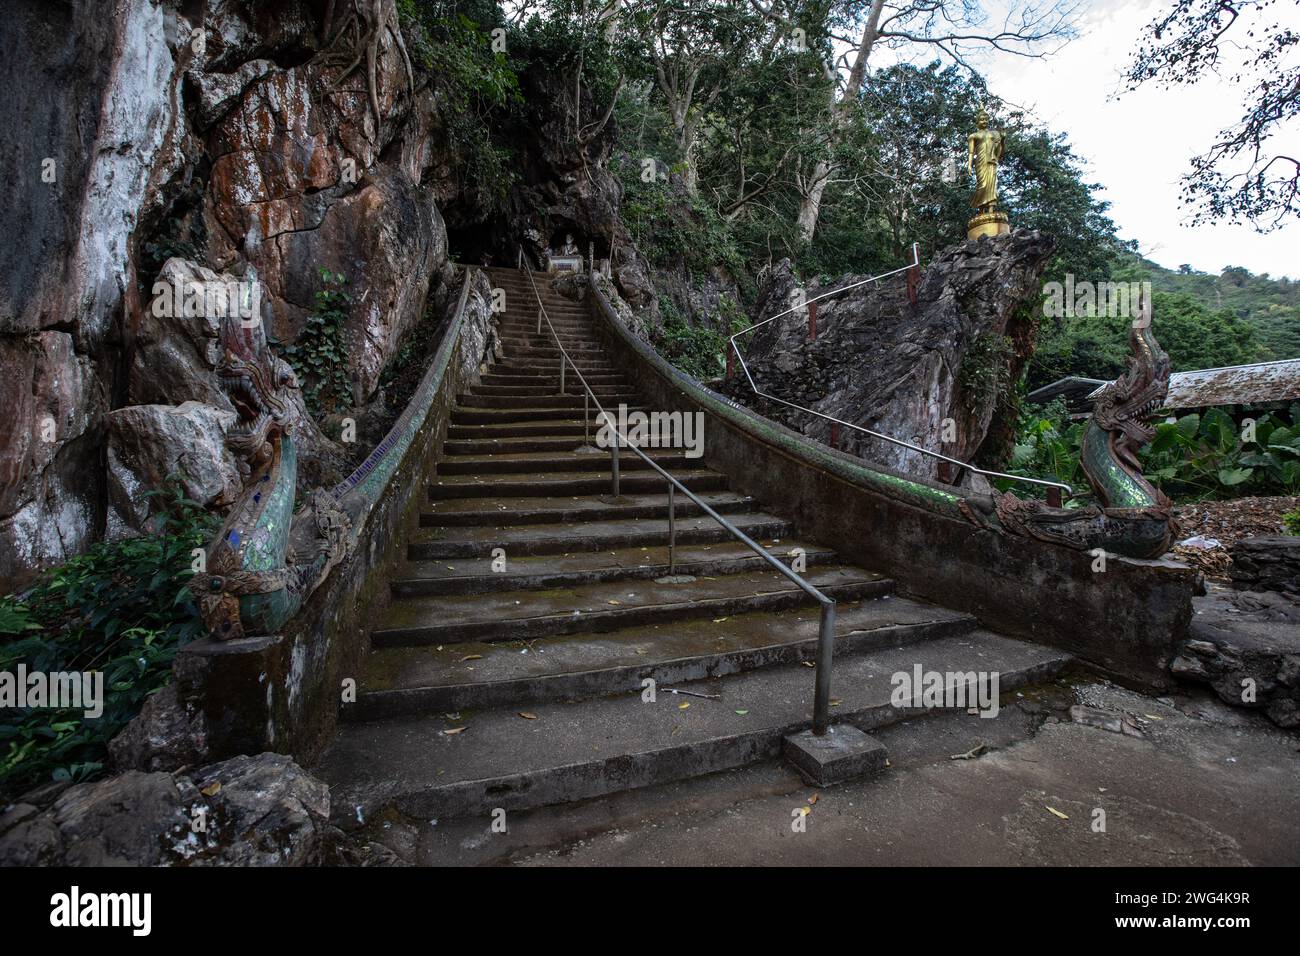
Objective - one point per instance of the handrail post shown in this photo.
(563, 363)
(825, 652)
(672, 529)
(539, 318)
(586, 417)
(613, 460)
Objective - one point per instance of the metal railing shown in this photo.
(826, 628)
(961, 465)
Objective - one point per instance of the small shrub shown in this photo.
(319, 355)
(122, 608)
(1291, 521)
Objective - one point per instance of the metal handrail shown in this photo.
(826, 628)
(916, 262)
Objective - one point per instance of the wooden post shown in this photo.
(812, 321)
(835, 435)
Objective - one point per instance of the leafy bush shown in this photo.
(1191, 459)
(318, 356)
(1291, 521)
(122, 608)
(1207, 456)
(695, 349)
(1047, 446)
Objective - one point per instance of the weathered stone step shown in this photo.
(501, 512)
(607, 606)
(524, 402)
(462, 415)
(570, 483)
(578, 750)
(489, 446)
(475, 676)
(452, 543)
(571, 387)
(553, 428)
(544, 339)
(476, 575)
(551, 379)
(529, 462)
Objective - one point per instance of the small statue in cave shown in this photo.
(570, 248)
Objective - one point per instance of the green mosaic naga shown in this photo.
(266, 561)
(1132, 517)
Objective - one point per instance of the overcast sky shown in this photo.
(1139, 144)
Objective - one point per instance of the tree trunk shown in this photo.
(811, 205)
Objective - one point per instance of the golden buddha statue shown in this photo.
(984, 149)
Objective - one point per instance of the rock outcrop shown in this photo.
(216, 136)
(932, 372)
(1246, 646)
(1266, 563)
(259, 810)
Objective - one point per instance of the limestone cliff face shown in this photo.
(901, 369)
(214, 130)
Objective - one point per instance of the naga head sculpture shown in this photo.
(1123, 407)
(254, 379)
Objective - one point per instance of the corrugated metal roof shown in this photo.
(1233, 385)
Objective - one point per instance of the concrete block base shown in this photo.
(842, 753)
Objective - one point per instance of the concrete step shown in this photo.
(528, 402)
(569, 483)
(499, 512)
(529, 462)
(478, 542)
(475, 676)
(491, 446)
(607, 606)
(463, 415)
(577, 750)
(548, 378)
(572, 388)
(554, 428)
(545, 571)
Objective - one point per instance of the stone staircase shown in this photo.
(522, 686)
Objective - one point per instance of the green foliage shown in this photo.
(1097, 347)
(1208, 456)
(672, 228)
(695, 349)
(450, 42)
(1270, 306)
(1291, 521)
(319, 355)
(984, 367)
(1197, 457)
(122, 608)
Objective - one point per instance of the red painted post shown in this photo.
(913, 278)
(731, 351)
(812, 321)
(1054, 497)
(835, 435)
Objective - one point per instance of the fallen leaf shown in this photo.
(471, 657)
(1152, 717)
(813, 798)
(1056, 812)
(212, 790)
(683, 705)
(807, 663)
(804, 811)
(453, 730)
(718, 620)
(527, 716)
(742, 712)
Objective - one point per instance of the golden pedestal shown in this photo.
(988, 224)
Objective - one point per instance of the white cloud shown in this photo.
(1138, 145)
